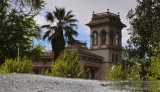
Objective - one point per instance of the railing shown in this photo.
(105, 14)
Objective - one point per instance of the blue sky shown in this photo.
(83, 10)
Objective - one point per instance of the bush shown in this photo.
(153, 71)
(117, 72)
(67, 66)
(14, 66)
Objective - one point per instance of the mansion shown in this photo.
(105, 47)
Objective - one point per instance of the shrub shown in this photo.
(117, 72)
(153, 71)
(67, 66)
(14, 66)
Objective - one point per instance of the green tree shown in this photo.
(125, 53)
(33, 4)
(153, 70)
(145, 28)
(62, 31)
(115, 73)
(34, 51)
(67, 66)
(17, 31)
(127, 70)
(14, 66)
(17, 27)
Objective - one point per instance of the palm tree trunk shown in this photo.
(58, 45)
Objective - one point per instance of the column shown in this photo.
(119, 39)
(108, 37)
(99, 39)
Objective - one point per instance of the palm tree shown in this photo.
(61, 30)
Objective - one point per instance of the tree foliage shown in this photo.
(137, 71)
(32, 4)
(145, 28)
(34, 52)
(17, 31)
(23, 6)
(153, 70)
(67, 66)
(17, 28)
(14, 66)
(120, 73)
(61, 30)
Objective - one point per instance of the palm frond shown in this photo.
(54, 28)
(55, 15)
(74, 32)
(62, 13)
(59, 13)
(70, 16)
(68, 13)
(72, 20)
(49, 17)
(69, 31)
(46, 26)
(73, 25)
(51, 37)
(46, 34)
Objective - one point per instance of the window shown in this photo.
(113, 57)
(116, 39)
(95, 38)
(116, 57)
(103, 37)
(111, 37)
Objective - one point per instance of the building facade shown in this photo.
(105, 45)
(43, 63)
(106, 39)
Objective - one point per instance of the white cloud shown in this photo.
(40, 19)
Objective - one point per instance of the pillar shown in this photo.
(91, 41)
(99, 39)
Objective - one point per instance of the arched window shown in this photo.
(111, 37)
(116, 39)
(95, 38)
(103, 37)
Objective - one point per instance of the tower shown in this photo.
(105, 38)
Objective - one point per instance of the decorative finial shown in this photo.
(118, 13)
(107, 10)
(93, 12)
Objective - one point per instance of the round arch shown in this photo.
(103, 37)
(95, 38)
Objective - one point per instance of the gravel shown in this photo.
(39, 83)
